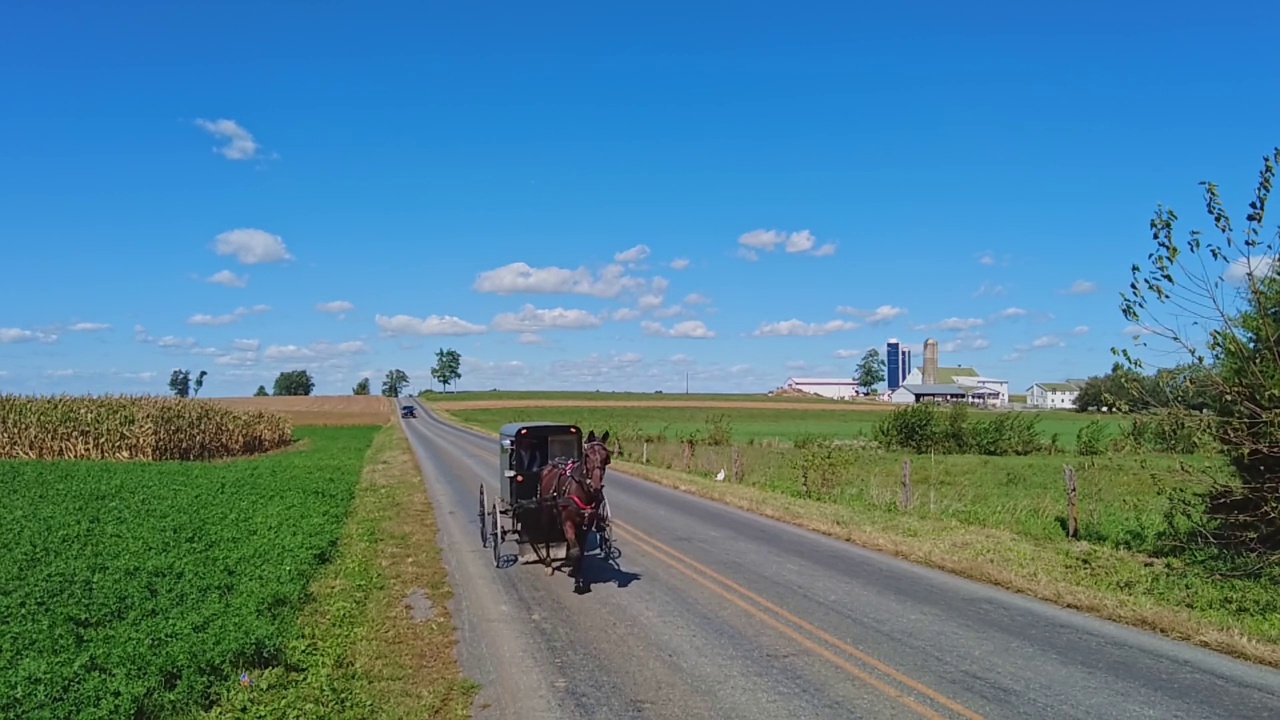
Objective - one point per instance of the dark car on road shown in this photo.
(408, 411)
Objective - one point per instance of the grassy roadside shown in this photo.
(1113, 584)
(376, 639)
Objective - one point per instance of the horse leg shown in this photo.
(574, 552)
(580, 584)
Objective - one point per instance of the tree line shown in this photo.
(447, 371)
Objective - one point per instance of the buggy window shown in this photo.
(563, 446)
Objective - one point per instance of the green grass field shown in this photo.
(749, 424)
(138, 589)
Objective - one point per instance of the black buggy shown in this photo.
(525, 448)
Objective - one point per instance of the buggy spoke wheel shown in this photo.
(494, 538)
(484, 534)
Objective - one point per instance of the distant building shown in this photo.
(897, 362)
(1053, 395)
(918, 392)
(964, 376)
(837, 388)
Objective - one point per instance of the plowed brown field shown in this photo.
(321, 409)
(728, 404)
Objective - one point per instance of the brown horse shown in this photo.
(574, 491)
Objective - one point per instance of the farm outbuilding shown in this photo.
(837, 388)
(914, 393)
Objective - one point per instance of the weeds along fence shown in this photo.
(999, 472)
(133, 427)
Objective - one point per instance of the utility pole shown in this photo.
(686, 382)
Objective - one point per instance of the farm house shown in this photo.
(837, 388)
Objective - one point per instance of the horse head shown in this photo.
(595, 459)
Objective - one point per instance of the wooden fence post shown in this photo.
(905, 501)
(1073, 523)
(688, 454)
(644, 453)
(737, 464)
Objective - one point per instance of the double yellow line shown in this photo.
(804, 633)
(796, 628)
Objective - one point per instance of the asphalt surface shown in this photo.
(718, 613)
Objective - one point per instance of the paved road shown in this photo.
(717, 613)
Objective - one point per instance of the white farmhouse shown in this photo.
(837, 388)
(1052, 395)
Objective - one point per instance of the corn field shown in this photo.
(133, 427)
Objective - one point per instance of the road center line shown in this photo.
(840, 662)
(791, 632)
(818, 632)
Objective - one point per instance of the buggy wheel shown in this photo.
(496, 533)
(484, 533)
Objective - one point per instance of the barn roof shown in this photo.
(937, 389)
(822, 381)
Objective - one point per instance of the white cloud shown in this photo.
(249, 345)
(88, 327)
(529, 338)
(336, 306)
(1081, 287)
(316, 350)
(207, 352)
(667, 312)
(519, 277)
(766, 240)
(430, 325)
(243, 358)
(964, 342)
(251, 246)
(632, 255)
(17, 335)
(953, 323)
(660, 284)
(624, 314)
(681, 359)
(1135, 329)
(986, 258)
(206, 319)
(1047, 341)
(882, 314)
(228, 278)
(628, 358)
(173, 341)
(696, 299)
(649, 302)
(1011, 312)
(1256, 265)
(1012, 357)
(679, 264)
(687, 329)
(989, 288)
(796, 328)
(240, 144)
(1080, 330)
(847, 354)
(530, 319)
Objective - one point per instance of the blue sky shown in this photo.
(980, 174)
